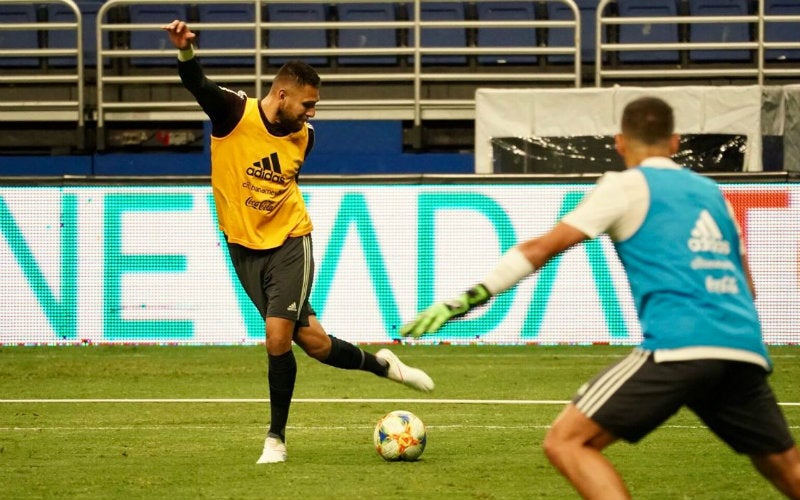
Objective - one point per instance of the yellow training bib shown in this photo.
(254, 181)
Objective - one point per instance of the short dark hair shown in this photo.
(648, 119)
(299, 73)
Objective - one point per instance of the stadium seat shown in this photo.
(59, 39)
(158, 14)
(649, 32)
(367, 37)
(18, 39)
(440, 37)
(227, 39)
(297, 38)
(563, 37)
(723, 32)
(782, 32)
(64, 39)
(506, 37)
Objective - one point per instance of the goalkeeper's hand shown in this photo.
(436, 315)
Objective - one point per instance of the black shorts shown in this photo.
(278, 280)
(634, 396)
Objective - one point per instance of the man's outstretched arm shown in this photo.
(513, 266)
(223, 106)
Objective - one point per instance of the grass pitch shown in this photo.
(188, 422)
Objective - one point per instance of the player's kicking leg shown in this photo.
(331, 351)
(342, 354)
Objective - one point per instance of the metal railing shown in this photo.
(756, 69)
(44, 106)
(763, 20)
(411, 78)
(413, 89)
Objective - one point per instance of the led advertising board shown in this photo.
(147, 264)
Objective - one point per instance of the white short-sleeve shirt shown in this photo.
(619, 202)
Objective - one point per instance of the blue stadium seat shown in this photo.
(297, 38)
(367, 37)
(563, 37)
(648, 33)
(506, 37)
(440, 37)
(18, 39)
(719, 32)
(63, 39)
(782, 32)
(227, 39)
(59, 39)
(159, 14)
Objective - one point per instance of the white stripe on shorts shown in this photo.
(605, 387)
(306, 272)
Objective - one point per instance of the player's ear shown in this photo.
(619, 144)
(674, 144)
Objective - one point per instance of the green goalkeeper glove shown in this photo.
(432, 318)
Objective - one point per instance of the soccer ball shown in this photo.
(400, 435)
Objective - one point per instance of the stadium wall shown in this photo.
(105, 263)
(342, 147)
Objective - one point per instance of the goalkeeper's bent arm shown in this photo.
(513, 266)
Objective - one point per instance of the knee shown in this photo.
(275, 348)
(279, 335)
(553, 447)
(562, 444)
(782, 470)
(278, 344)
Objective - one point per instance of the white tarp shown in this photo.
(572, 112)
(791, 128)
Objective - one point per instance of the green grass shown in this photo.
(180, 450)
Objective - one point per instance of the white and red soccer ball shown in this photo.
(400, 436)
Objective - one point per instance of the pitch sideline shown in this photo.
(297, 400)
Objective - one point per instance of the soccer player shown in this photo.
(257, 149)
(679, 243)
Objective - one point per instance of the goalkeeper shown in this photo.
(679, 243)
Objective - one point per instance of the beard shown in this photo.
(289, 123)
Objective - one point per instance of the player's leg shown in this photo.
(309, 334)
(281, 373)
(342, 354)
(277, 281)
(335, 352)
(744, 412)
(574, 446)
(313, 339)
(286, 282)
(782, 470)
(625, 401)
(252, 268)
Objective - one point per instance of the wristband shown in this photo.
(186, 54)
(512, 267)
(477, 295)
